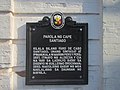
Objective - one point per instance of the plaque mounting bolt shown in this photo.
(80, 29)
(33, 29)
(80, 76)
(33, 77)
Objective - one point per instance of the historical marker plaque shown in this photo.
(57, 52)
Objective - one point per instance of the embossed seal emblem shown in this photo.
(57, 20)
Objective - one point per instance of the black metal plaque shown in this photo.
(56, 55)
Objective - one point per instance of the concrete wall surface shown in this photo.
(13, 17)
(111, 44)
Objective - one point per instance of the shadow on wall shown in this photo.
(112, 73)
(22, 32)
(19, 69)
(20, 51)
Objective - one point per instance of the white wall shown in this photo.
(111, 44)
(13, 17)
